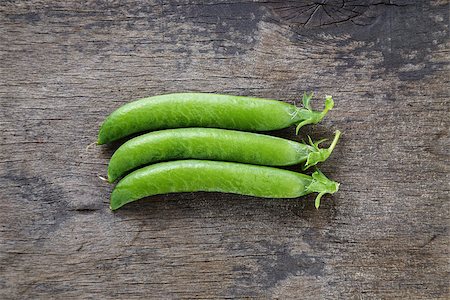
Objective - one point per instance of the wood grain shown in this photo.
(65, 65)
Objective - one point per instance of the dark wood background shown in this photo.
(65, 65)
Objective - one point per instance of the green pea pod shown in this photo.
(214, 176)
(207, 110)
(214, 144)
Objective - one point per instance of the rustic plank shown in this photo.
(66, 65)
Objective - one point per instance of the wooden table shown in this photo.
(65, 65)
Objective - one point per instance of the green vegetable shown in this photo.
(214, 144)
(207, 110)
(213, 176)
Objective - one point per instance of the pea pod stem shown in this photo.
(320, 154)
(308, 115)
(207, 110)
(213, 176)
(214, 144)
(322, 185)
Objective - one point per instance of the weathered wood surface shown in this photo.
(65, 65)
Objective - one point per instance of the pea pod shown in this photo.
(207, 110)
(214, 176)
(214, 144)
